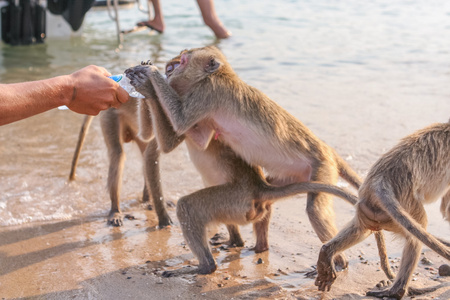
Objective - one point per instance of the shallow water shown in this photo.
(359, 74)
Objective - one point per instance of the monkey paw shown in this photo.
(326, 272)
(326, 275)
(389, 293)
(115, 219)
(140, 78)
(146, 63)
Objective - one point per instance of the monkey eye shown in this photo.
(170, 68)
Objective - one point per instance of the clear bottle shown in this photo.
(124, 82)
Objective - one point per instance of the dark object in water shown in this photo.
(23, 22)
(73, 11)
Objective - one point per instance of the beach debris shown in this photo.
(282, 272)
(444, 270)
(260, 261)
(426, 261)
(130, 217)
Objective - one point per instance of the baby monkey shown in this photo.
(413, 173)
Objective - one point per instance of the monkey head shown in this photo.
(193, 66)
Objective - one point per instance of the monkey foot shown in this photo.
(115, 219)
(165, 221)
(259, 249)
(326, 272)
(189, 270)
(389, 293)
(235, 243)
(326, 275)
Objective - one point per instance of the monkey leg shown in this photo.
(410, 259)
(261, 229)
(350, 235)
(445, 206)
(320, 211)
(153, 182)
(193, 224)
(235, 236)
(321, 215)
(111, 128)
(145, 194)
(225, 203)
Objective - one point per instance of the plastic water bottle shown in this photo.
(124, 82)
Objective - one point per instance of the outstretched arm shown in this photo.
(87, 91)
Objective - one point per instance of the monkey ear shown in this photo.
(212, 65)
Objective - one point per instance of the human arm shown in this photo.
(87, 91)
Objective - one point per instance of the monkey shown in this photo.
(206, 100)
(120, 126)
(414, 172)
(238, 192)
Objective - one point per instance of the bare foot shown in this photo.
(152, 24)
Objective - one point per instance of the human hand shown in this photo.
(93, 91)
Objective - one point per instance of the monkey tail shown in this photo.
(401, 217)
(346, 172)
(81, 137)
(271, 193)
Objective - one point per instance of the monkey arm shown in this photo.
(183, 113)
(164, 132)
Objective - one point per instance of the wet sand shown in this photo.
(84, 258)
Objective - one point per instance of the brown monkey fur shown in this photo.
(413, 173)
(236, 192)
(272, 138)
(120, 126)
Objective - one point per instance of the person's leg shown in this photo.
(211, 19)
(158, 21)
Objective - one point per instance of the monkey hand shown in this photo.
(140, 78)
(326, 273)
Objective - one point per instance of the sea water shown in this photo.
(359, 74)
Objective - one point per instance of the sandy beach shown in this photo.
(84, 258)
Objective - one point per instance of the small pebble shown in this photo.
(444, 270)
(260, 261)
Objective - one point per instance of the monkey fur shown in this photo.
(413, 173)
(227, 122)
(120, 126)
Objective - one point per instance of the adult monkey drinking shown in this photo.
(205, 99)
(236, 192)
(415, 172)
